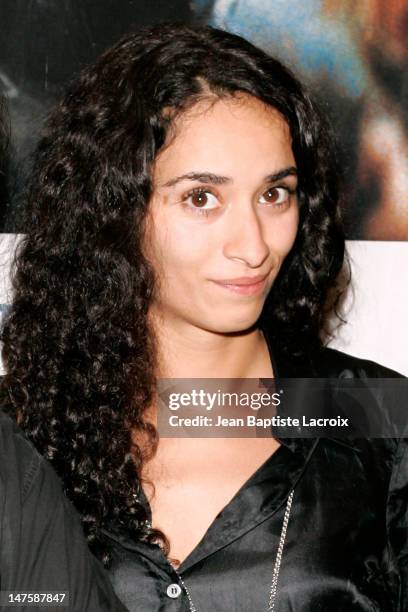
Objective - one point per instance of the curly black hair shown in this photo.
(77, 349)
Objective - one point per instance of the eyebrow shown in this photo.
(216, 179)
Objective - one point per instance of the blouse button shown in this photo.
(173, 590)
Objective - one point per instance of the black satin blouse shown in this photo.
(346, 546)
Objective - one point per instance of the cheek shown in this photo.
(178, 253)
(282, 234)
(292, 231)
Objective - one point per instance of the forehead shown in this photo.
(223, 133)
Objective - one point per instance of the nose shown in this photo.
(244, 237)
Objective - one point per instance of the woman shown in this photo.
(184, 223)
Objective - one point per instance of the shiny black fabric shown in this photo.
(346, 546)
(42, 546)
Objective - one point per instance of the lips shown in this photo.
(243, 280)
(244, 285)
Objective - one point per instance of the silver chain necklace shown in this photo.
(274, 585)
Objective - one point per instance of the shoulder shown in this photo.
(30, 490)
(330, 363)
(23, 464)
(316, 361)
(26, 477)
(41, 539)
(373, 407)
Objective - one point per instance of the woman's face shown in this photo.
(223, 214)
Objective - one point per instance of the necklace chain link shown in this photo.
(275, 575)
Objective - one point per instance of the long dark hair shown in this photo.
(77, 349)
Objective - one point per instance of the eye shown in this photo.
(200, 199)
(277, 196)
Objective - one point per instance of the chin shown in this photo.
(229, 324)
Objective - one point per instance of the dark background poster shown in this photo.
(353, 55)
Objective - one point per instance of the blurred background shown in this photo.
(353, 54)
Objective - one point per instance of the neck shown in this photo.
(187, 351)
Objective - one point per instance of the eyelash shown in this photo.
(206, 212)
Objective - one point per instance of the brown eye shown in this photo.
(275, 195)
(201, 199)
